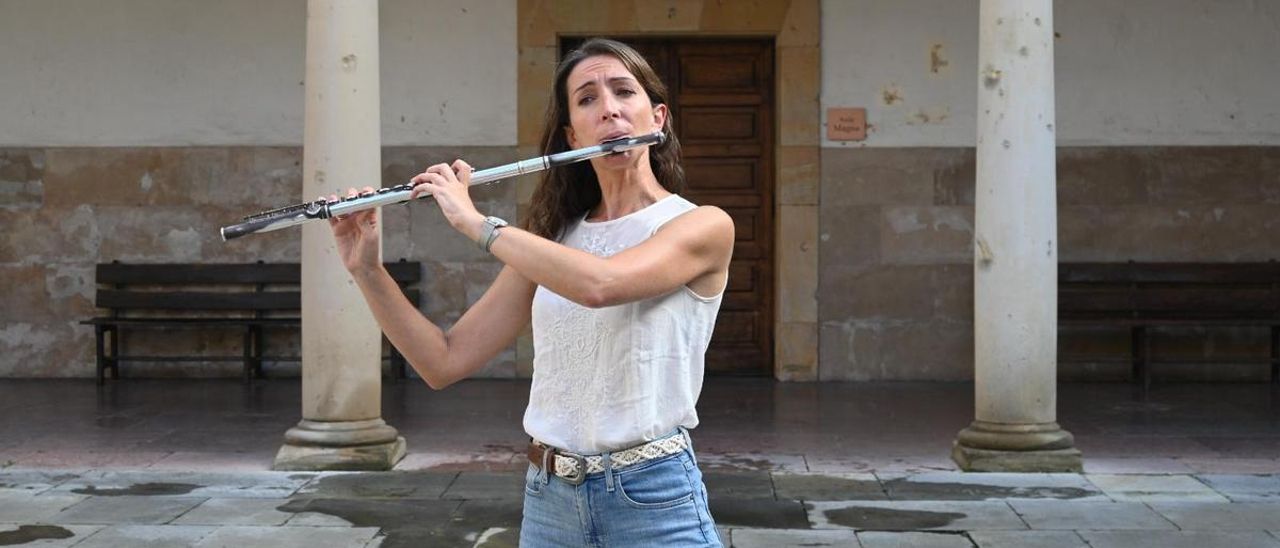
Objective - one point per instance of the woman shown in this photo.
(621, 278)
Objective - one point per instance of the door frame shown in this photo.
(795, 26)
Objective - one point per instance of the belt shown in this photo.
(573, 468)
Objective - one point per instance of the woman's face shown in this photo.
(607, 102)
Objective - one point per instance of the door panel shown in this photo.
(722, 108)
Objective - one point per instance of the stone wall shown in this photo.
(896, 245)
(66, 209)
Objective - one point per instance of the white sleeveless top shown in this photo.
(608, 378)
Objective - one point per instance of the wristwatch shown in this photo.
(489, 232)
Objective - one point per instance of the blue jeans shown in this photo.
(662, 502)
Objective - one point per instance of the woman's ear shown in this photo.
(660, 115)
(571, 137)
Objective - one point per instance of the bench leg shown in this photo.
(248, 354)
(260, 343)
(1141, 355)
(114, 360)
(99, 333)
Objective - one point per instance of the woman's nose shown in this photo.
(610, 107)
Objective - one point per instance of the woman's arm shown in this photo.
(692, 248)
(443, 358)
(440, 358)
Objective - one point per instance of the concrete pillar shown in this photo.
(1015, 247)
(341, 427)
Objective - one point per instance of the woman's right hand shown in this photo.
(357, 236)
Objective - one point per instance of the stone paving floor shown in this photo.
(754, 509)
(142, 463)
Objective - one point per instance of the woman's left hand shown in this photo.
(449, 186)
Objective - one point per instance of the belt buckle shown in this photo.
(581, 476)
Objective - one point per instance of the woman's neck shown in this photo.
(626, 191)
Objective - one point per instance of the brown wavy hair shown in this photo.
(566, 193)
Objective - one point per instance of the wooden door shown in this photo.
(722, 105)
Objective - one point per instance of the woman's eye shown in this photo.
(626, 92)
(585, 99)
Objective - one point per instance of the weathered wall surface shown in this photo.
(897, 275)
(132, 130)
(165, 204)
(1134, 73)
(1169, 131)
(162, 73)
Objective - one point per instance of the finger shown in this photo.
(333, 220)
(333, 198)
(421, 188)
(444, 171)
(463, 170)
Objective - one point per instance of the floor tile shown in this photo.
(288, 537)
(34, 481)
(20, 507)
(1234, 466)
(832, 486)
(883, 539)
(126, 510)
(1180, 539)
(762, 513)
(44, 535)
(913, 515)
(235, 511)
(792, 538)
(147, 536)
(1220, 516)
(260, 461)
(187, 484)
(989, 486)
(1245, 488)
(1027, 539)
(458, 461)
(486, 485)
(1151, 488)
(1071, 515)
(753, 461)
(415, 485)
(1141, 465)
(738, 484)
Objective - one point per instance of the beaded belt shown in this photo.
(570, 466)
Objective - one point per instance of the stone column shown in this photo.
(1015, 251)
(341, 427)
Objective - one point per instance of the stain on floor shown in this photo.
(140, 489)
(889, 519)
(30, 533)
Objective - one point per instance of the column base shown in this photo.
(994, 447)
(368, 445)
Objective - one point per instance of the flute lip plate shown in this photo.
(629, 142)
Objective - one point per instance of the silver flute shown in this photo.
(293, 215)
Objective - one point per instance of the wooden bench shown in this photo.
(1142, 296)
(249, 297)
